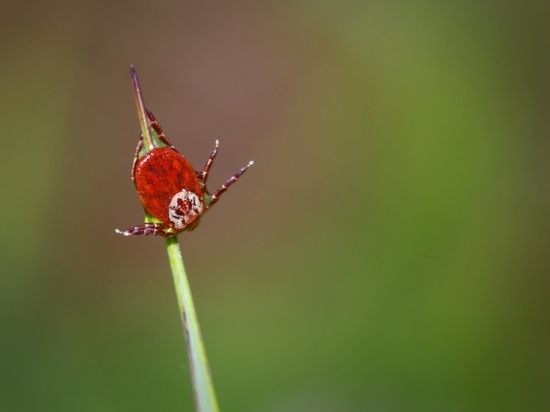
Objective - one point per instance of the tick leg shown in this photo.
(147, 229)
(156, 127)
(228, 183)
(205, 172)
(136, 154)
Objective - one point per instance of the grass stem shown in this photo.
(205, 396)
(140, 105)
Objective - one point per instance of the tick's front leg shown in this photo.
(147, 229)
(206, 171)
(228, 183)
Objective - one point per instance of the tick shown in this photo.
(170, 189)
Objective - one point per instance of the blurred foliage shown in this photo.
(388, 251)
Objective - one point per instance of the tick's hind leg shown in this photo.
(228, 183)
(158, 130)
(147, 229)
(136, 154)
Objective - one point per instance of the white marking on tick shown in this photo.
(184, 207)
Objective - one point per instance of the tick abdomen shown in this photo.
(160, 177)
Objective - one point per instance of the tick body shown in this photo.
(170, 189)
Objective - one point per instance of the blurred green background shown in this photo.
(387, 252)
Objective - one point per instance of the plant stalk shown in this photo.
(205, 396)
(140, 105)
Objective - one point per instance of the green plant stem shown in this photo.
(205, 397)
(140, 105)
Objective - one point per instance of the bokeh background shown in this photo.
(387, 252)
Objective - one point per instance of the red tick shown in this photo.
(171, 191)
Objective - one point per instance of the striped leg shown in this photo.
(136, 154)
(228, 183)
(206, 170)
(158, 130)
(147, 229)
